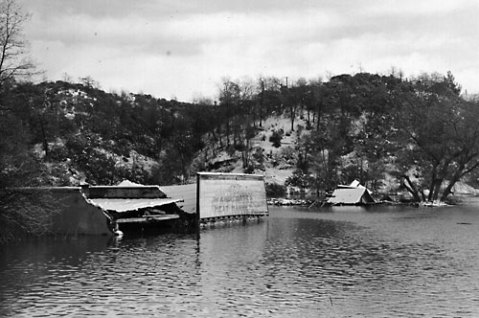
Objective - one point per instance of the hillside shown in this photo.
(80, 133)
(277, 164)
(390, 133)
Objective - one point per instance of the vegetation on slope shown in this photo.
(418, 132)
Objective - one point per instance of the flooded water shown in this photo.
(342, 262)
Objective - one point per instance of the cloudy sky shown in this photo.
(182, 49)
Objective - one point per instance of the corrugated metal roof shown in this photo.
(125, 205)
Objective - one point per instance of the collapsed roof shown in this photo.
(351, 194)
(127, 197)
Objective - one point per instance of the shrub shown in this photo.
(275, 138)
(299, 179)
(25, 214)
(239, 147)
(249, 169)
(58, 153)
(274, 190)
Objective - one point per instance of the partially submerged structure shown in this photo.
(352, 194)
(131, 206)
(135, 207)
(227, 195)
(219, 196)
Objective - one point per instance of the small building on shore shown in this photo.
(352, 194)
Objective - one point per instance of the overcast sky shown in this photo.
(177, 48)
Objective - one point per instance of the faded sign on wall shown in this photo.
(226, 194)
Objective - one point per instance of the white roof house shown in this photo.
(351, 194)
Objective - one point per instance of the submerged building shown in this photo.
(129, 206)
(352, 194)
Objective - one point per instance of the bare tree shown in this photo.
(13, 60)
(229, 100)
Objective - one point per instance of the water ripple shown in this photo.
(293, 264)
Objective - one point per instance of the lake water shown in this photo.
(341, 262)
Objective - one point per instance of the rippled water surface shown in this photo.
(342, 262)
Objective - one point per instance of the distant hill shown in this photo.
(390, 133)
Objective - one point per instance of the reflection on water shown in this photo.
(341, 262)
